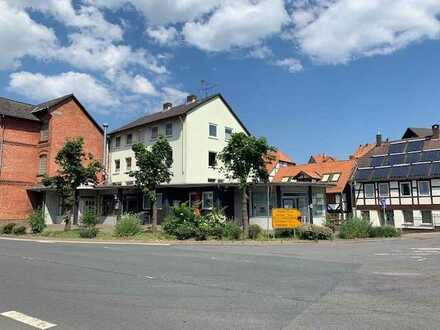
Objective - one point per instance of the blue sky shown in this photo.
(312, 76)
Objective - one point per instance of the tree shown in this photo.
(75, 168)
(153, 168)
(244, 159)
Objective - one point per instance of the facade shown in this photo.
(31, 136)
(398, 182)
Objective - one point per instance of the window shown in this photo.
(108, 205)
(228, 133)
(141, 135)
(210, 180)
(169, 129)
(386, 219)
(159, 201)
(318, 202)
(117, 142)
(128, 163)
(129, 139)
(427, 217)
(325, 177)
(117, 165)
(424, 188)
(195, 200)
(154, 132)
(405, 189)
(384, 190)
(170, 155)
(42, 168)
(335, 177)
(44, 132)
(207, 200)
(365, 215)
(408, 216)
(146, 204)
(212, 159)
(369, 190)
(213, 130)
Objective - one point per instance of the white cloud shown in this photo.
(237, 24)
(261, 52)
(21, 36)
(40, 87)
(163, 35)
(338, 31)
(290, 64)
(141, 85)
(173, 95)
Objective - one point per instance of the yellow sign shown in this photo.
(286, 218)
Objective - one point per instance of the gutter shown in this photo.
(2, 140)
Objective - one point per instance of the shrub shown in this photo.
(386, 231)
(355, 228)
(330, 223)
(217, 231)
(19, 230)
(314, 232)
(36, 221)
(127, 226)
(232, 230)
(285, 233)
(254, 231)
(7, 229)
(88, 232)
(89, 219)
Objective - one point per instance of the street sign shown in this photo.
(286, 218)
(383, 203)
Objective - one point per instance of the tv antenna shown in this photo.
(206, 87)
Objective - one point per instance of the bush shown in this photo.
(7, 229)
(36, 221)
(386, 231)
(285, 233)
(355, 228)
(127, 226)
(254, 231)
(19, 230)
(89, 219)
(314, 232)
(217, 231)
(232, 230)
(88, 232)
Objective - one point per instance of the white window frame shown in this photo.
(216, 131)
(412, 216)
(401, 190)
(429, 188)
(169, 125)
(127, 168)
(335, 177)
(325, 177)
(203, 200)
(365, 190)
(381, 184)
(230, 135)
(153, 129)
(430, 216)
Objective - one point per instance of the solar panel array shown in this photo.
(404, 160)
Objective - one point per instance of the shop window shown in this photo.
(207, 200)
(408, 216)
(426, 217)
(318, 205)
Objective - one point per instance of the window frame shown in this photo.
(216, 131)
(169, 125)
(379, 190)
(365, 190)
(430, 217)
(117, 169)
(153, 130)
(228, 134)
(204, 193)
(117, 142)
(209, 159)
(42, 172)
(131, 139)
(325, 177)
(128, 168)
(429, 188)
(401, 184)
(407, 212)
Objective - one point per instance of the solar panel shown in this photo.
(363, 174)
(415, 146)
(418, 170)
(413, 157)
(435, 169)
(397, 159)
(430, 156)
(381, 173)
(377, 161)
(399, 172)
(397, 148)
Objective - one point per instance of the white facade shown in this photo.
(190, 140)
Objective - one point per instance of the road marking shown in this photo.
(396, 274)
(426, 249)
(29, 320)
(84, 242)
(149, 277)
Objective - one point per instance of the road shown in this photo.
(385, 284)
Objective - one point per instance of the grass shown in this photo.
(106, 235)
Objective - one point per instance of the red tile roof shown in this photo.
(344, 167)
(276, 157)
(362, 150)
(321, 159)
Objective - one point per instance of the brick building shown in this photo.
(30, 138)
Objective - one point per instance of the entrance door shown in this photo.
(296, 202)
(88, 205)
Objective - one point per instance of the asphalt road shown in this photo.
(388, 284)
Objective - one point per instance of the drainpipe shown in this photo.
(2, 140)
(310, 197)
(104, 152)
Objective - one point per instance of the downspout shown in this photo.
(104, 153)
(310, 197)
(183, 144)
(2, 140)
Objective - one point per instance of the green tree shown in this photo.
(153, 168)
(75, 168)
(244, 159)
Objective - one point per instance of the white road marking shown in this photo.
(149, 277)
(83, 242)
(396, 274)
(426, 249)
(29, 320)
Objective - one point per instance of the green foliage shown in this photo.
(7, 229)
(129, 225)
(36, 221)
(216, 216)
(354, 228)
(314, 232)
(285, 233)
(88, 232)
(386, 231)
(330, 223)
(254, 231)
(89, 219)
(232, 230)
(19, 230)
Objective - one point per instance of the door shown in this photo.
(296, 202)
(88, 204)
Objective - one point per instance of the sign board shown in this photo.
(286, 218)
(383, 203)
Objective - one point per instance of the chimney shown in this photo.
(378, 138)
(167, 106)
(191, 98)
(435, 131)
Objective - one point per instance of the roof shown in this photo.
(362, 150)
(175, 111)
(275, 158)
(317, 170)
(51, 103)
(413, 132)
(17, 109)
(321, 158)
(404, 159)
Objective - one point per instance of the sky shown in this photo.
(312, 76)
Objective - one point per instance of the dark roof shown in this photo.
(17, 109)
(176, 111)
(51, 103)
(414, 132)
